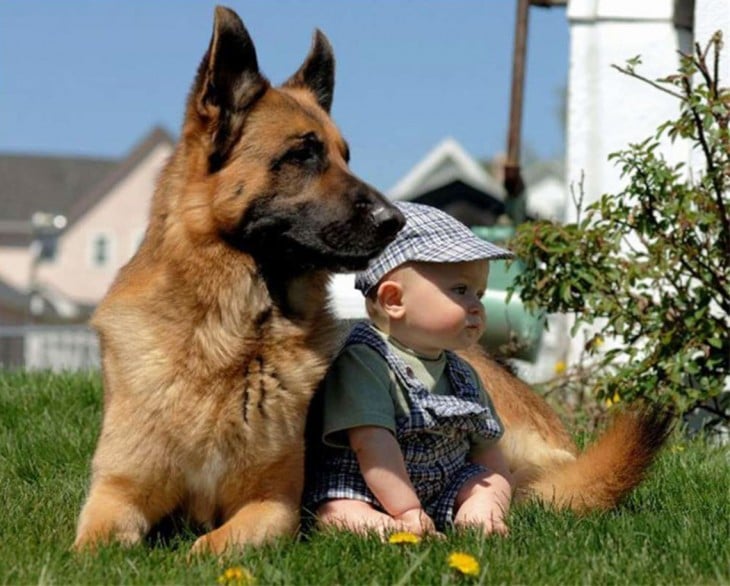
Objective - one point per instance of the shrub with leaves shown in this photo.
(649, 267)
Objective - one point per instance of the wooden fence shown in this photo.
(48, 347)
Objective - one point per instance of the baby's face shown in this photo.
(443, 308)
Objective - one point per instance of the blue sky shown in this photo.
(93, 77)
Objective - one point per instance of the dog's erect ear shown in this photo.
(228, 83)
(317, 73)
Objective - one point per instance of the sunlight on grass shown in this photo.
(417, 562)
(672, 529)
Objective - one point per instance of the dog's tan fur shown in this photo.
(544, 459)
(216, 333)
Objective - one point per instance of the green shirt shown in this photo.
(360, 389)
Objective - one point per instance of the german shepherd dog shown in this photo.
(216, 334)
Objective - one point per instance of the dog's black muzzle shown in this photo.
(388, 221)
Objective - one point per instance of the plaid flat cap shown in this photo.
(429, 235)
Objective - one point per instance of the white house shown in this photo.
(607, 110)
(68, 224)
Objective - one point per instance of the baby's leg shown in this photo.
(483, 501)
(356, 516)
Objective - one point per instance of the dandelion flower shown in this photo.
(403, 537)
(464, 563)
(560, 367)
(613, 400)
(237, 575)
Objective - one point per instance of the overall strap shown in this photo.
(364, 333)
(464, 409)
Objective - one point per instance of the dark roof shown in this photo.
(11, 298)
(87, 200)
(30, 183)
(467, 204)
(17, 302)
(63, 185)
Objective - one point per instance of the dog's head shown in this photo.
(270, 169)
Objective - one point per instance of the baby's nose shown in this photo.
(475, 306)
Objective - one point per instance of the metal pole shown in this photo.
(513, 183)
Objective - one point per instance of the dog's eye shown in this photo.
(303, 154)
(307, 152)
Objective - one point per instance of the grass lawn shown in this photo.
(675, 529)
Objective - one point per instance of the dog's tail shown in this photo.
(599, 477)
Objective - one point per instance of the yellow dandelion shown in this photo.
(613, 400)
(237, 575)
(464, 563)
(677, 448)
(404, 537)
(560, 367)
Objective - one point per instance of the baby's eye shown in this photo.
(459, 289)
(480, 294)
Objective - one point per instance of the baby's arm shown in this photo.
(485, 500)
(381, 463)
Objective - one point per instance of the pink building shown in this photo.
(68, 224)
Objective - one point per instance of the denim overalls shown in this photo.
(434, 439)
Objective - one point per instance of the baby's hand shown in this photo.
(417, 522)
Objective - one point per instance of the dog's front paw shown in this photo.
(206, 545)
(216, 543)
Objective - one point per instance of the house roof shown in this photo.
(11, 298)
(61, 185)
(87, 200)
(29, 183)
(56, 307)
(446, 163)
(439, 174)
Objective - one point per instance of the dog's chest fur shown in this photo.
(217, 390)
(255, 423)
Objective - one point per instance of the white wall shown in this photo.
(15, 266)
(607, 110)
(710, 16)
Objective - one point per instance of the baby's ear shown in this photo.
(390, 297)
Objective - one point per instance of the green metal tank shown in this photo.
(512, 330)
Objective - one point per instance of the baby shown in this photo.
(406, 436)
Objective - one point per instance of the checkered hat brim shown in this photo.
(430, 235)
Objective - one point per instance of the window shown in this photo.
(101, 251)
(48, 245)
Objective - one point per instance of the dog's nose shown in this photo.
(388, 220)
